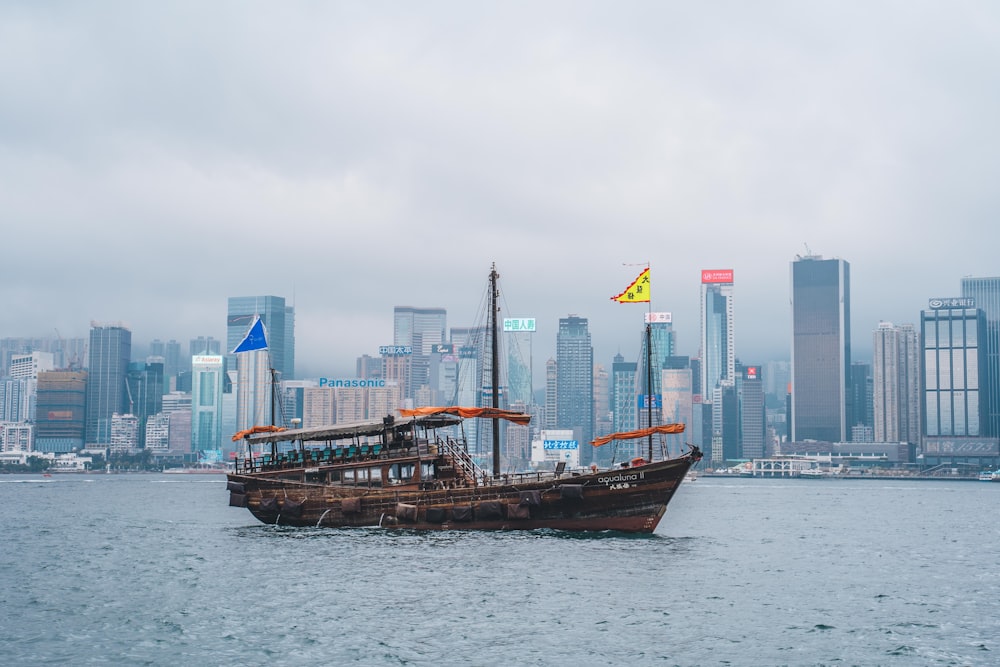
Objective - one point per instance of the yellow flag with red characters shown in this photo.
(637, 292)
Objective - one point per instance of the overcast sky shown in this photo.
(157, 158)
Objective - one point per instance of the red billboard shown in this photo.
(716, 275)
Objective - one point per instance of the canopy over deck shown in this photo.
(360, 429)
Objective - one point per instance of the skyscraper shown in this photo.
(574, 382)
(859, 402)
(254, 394)
(986, 292)
(469, 345)
(109, 351)
(420, 329)
(725, 423)
(204, 345)
(280, 338)
(821, 348)
(144, 389)
(62, 397)
(551, 396)
(602, 402)
(18, 392)
(650, 366)
(955, 394)
(896, 384)
(206, 402)
(753, 421)
(677, 407)
(518, 333)
(173, 363)
(624, 392)
(718, 351)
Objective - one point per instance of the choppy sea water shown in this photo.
(158, 570)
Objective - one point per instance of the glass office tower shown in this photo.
(421, 329)
(821, 348)
(718, 353)
(109, 353)
(986, 293)
(956, 395)
(575, 382)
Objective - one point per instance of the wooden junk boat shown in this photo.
(401, 472)
(412, 469)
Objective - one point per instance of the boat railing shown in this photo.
(456, 451)
(331, 455)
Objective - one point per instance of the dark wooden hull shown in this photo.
(630, 500)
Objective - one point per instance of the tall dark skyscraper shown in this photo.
(575, 382)
(859, 386)
(109, 352)
(821, 348)
(753, 420)
(144, 385)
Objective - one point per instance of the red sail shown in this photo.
(641, 433)
(469, 413)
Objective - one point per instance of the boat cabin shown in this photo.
(375, 455)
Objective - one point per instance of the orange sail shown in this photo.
(641, 433)
(257, 429)
(468, 413)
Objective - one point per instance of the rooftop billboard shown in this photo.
(716, 275)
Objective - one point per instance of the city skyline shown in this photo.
(543, 339)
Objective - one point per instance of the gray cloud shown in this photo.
(156, 159)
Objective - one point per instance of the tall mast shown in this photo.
(495, 367)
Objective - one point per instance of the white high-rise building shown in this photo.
(718, 351)
(124, 433)
(896, 383)
(206, 402)
(254, 398)
(319, 406)
(158, 433)
(16, 437)
(27, 366)
(254, 395)
(24, 368)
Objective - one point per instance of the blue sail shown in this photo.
(254, 340)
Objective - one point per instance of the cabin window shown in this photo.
(348, 477)
(362, 476)
(334, 475)
(400, 472)
(426, 471)
(375, 477)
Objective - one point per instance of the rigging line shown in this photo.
(468, 373)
